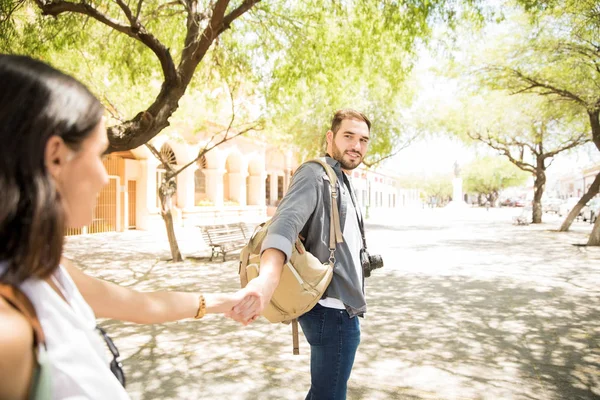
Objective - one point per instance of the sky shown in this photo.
(431, 156)
(437, 154)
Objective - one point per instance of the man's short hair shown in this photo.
(347, 113)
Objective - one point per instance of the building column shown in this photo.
(185, 188)
(151, 189)
(214, 185)
(257, 189)
(237, 187)
(287, 180)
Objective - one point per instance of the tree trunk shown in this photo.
(592, 191)
(494, 199)
(594, 239)
(594, 116)
(538, 191)
(165, 194)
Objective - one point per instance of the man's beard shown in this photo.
(346, 164)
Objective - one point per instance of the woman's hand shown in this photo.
(224, 303)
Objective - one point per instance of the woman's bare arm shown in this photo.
(109, 300)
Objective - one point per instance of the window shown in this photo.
(279, 187)
(200, 182)
(268, 190)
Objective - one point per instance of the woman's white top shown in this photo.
(79, 367)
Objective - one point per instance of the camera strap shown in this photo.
(356, 209)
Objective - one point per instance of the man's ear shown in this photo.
(55, 155)
(329, 137)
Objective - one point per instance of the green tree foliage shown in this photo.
(358, 54)
(437, 189)
(529, 131)
(488, 176)
(557, 57)
(141, 56)
(302, 59)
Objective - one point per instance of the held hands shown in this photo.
(261, 287)
(252, 305)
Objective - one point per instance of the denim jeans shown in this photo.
(333, 337)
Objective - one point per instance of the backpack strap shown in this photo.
(21, 303)
(335, 236)
(296, 344)
(335, 231)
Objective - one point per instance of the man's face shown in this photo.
(349, 145)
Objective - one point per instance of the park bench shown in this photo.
(524, 218)
(225, 238)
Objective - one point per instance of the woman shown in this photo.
(53, 137)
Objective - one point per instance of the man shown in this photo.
(331, 327)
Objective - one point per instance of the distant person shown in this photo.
(53, 137)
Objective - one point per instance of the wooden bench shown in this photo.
(223, 239)
(521, 220)
(524, 218)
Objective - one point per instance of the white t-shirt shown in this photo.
(353, 239)
(77, 355)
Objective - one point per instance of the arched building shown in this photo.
(240, 180)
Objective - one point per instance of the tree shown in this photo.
(561, 62)
(358, 56)
(437, 189)
(278, 45)
(488, 176)
(167, 42)
(168, 185)
(528, 131)
(203, 25)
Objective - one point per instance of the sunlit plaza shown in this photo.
(467, 306)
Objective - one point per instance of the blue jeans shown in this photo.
(333, 337)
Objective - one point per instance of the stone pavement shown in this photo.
(468, 306)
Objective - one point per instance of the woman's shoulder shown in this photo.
(16, 339)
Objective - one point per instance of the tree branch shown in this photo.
(158, 156)
(581, 139)
(503, 149)
(534, 84)
(127, 11)
(407, 143)
(208, 148)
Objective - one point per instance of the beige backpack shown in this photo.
(304, 278)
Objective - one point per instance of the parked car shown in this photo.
(565, 208)
(590, 211)
(521, 203)
(551, 205)
(507, 202)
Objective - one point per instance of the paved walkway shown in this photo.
(468, 306)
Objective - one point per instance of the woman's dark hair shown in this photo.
(36, 103)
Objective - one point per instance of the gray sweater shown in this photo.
(305, 210)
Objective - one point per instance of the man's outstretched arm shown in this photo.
(271, 265)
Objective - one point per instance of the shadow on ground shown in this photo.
(490, 312)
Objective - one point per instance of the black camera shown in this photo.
(370, 262)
